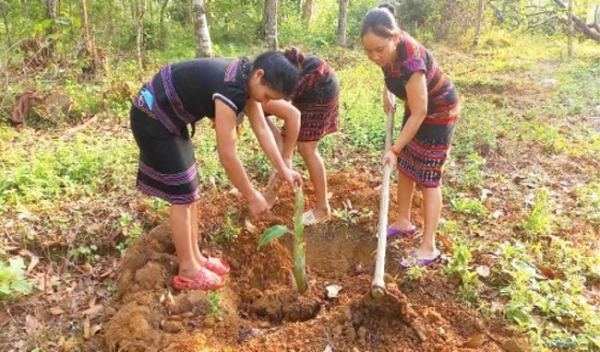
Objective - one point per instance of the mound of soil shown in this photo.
(259, 310)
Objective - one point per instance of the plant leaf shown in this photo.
(21, 286)
(299, 210)
(272, 233)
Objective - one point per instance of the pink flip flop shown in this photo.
(217, 266)
(205, 280)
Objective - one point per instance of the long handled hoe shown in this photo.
(394, 299)
(378, 284)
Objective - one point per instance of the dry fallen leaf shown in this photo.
(95, 329)
(476, 341)
(91, 311)
(497, 214)
(34, 260)
(4, 319)
(250, 227)
(447, 243)
(512, 346)
(547, 272)
(31, 324)
(142, 207)
(86, 327)
(56, 311)
(483, 270)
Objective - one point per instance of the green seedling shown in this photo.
(277, 231)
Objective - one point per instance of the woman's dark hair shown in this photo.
(281, 69)
(380, 21)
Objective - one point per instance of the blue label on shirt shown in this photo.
(148, 97)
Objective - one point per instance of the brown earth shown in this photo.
(259, 310)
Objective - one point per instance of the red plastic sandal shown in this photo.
(205, 280)
(217, 266)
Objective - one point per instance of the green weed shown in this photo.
(214, 299)
(12, 279)
(458, 269)
(469, 206)
(227, 233)
(539, 220)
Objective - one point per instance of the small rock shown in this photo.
(209, 323)
(362, 333)
(187, 315)
(333, 291)
(264, 325)
(512, 346)
(172, 327)
(110, 311)
(351, 333)
(476, 341)
(433, 316)
(358, 268)
(337, 331)
(234, 264)
(346, 315)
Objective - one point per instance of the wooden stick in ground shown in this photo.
(378, 284)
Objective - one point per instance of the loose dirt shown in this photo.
(259, 310)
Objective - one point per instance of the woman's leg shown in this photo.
(200, 259)
(405, 191)
(318, 176)
(180, 220)
(432, 206)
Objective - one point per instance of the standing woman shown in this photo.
(312, 114)
(180, 95)
(431, 111)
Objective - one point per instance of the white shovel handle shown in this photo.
(378, 285)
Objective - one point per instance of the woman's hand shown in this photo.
(257, 205)
(389, 101)
(389, 158)
(291, 177)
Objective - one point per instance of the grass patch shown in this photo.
(78, 188)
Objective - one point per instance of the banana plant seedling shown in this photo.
(277, 231)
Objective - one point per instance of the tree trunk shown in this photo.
(51, 9)
(51, 14)
(570, 28)
(300, 6)
(480, 8)
(3, 10)
(270, 16)
(580, 25)
(203, 42)
(85, 27)
(308, 9)
(161, 19)
(342, 23)
(139, 37)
